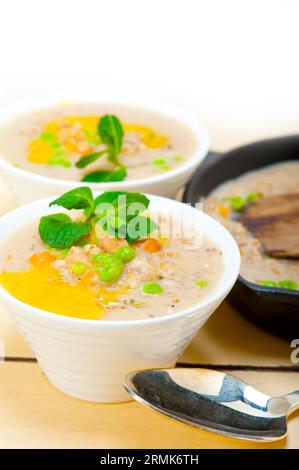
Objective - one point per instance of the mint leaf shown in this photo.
(115, 209)
(88, 159)
(137, 198)
(78, 198)
(105, 176)
(108, 197)
(59, 231)
(111, 134)
(137, 228)
(140, 227)
(120, 198)
(114, 225)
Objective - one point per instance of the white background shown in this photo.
(234, 62)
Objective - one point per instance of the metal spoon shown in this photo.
(213, 401)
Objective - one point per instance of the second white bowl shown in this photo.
(27, 186)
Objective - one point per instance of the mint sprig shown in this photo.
(118, 212)
(111, 134)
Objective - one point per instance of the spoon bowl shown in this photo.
(213, 401)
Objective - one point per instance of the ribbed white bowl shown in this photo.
(88, 359)
(27, 186)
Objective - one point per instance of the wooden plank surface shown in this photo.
(33, 414)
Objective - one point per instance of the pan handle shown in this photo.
(212, 157)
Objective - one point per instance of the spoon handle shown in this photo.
(293, 399)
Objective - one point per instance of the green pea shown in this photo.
(152, 288)
(79, 268)
(237, 203)
(111, 271)
(269, 283)
(202, 283)
(253, 197)
(159, 162)
(101, 259)
(288, 284)
(125, 253)
(59, 160)
(178, 158)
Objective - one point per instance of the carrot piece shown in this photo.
(223, 211)
(152, 245)
(43, 258)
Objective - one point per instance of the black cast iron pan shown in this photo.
(274, 309)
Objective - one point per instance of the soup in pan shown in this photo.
(227, 203)
(96, 143)
(99, 265)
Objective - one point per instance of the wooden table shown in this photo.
(33, 414)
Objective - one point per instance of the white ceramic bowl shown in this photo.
(88, 359)
(27, 186)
